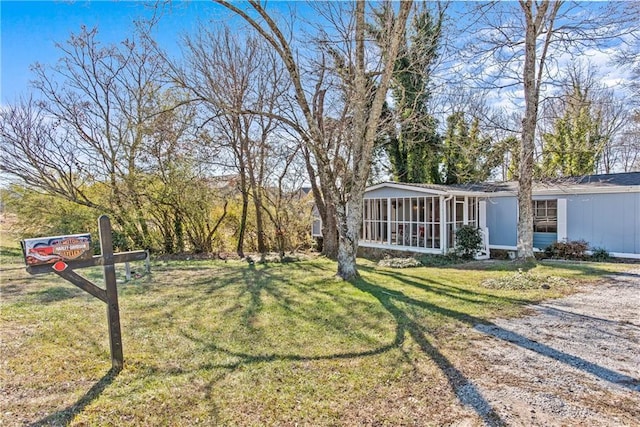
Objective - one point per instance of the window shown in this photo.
(402, 221)
(545, 216)
(374, 220)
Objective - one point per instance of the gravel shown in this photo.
(573, 361)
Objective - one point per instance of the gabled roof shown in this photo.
(616, 182)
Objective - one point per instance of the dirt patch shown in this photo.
(574, 361)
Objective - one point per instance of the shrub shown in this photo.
(574, 250)
(600, 255)
(468, 241)
(436, 260)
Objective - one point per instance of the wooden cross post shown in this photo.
(109, 295)
(113, 311)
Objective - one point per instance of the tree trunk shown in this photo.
(325, 207)
(142, 221)
(367, 110)
(167, 234)
(350, 219)
(255, 185)
(525, 173)
(257, 201)
(280, 239)
(525, 219)
(364, 116)
(243, 220)
(330, 232)
(179, 232)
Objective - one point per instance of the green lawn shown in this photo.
(218, 343)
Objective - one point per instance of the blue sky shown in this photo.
(30, 30)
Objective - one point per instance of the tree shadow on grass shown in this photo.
(248, 358)
(252, 285)
(580, 267)
(256, 282)
(56, 294)
(444, 290)
(466, 392)
(66, 416)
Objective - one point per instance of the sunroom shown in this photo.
(420, 218)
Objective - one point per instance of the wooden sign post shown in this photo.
(64, 254)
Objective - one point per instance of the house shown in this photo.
(603, 210)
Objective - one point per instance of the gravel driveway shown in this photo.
(574, 361)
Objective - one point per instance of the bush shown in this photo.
(574, 250)
(600, 255)
(436, 260)
(468, 241)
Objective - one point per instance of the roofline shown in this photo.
(571, 190)
(405, 186)
(552, 191)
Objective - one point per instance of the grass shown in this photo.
(215, 343)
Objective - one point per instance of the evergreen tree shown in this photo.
(410, 140)
(468, 155)
(574, 146)
(511, 145)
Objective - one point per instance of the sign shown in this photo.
(62, 255)
(50, 250)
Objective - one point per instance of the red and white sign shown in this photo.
(49, 250)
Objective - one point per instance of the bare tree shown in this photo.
(580, 95)
(627, 147)
(614, 115)
(233, 78)
(89, 127)
(579, 126)
(110, 134)
(283, 191)
(520, 47)
(345, 177)
(180, 200)
(34, 152)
